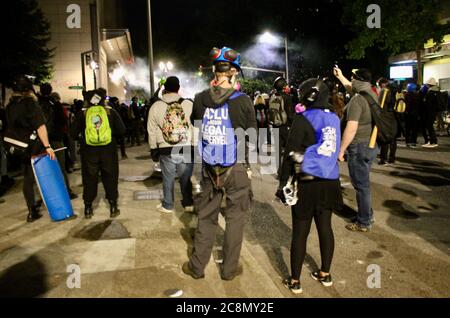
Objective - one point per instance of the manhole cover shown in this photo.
(156, 194)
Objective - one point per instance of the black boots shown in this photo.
(88, 211)
(114, 210)
(33, 214)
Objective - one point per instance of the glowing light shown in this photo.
(166, 67)
(93, 65)
(269, 38)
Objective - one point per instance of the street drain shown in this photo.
(108, 230)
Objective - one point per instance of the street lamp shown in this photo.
(166, 67)
(150, 47)
(274, 40)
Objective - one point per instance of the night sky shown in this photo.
(185, 31)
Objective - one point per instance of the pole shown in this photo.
(287, 58)
(95, 79)
(83, 72)
(150, 49)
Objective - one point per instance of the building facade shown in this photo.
(87, 43)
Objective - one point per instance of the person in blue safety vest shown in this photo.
(222, 109)
(309, 180)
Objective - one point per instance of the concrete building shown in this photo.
(89, 41)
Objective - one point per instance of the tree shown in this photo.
(26, 33)
(405, 26)
(250, 86)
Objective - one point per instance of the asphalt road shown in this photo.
(139, 254)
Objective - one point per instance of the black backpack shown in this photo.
(19, 140)
(383, 119)
(441, 101)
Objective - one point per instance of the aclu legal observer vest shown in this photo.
(321, 159)
(218, 145)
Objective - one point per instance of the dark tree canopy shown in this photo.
(25, 37)
(405, 26)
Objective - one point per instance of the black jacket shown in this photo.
(117, 127)
(56, 120)
(242, 113)
(301, 136)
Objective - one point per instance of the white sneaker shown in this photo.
(189, 209)
(162, 209)
(428, 145)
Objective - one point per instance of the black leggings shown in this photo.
(300, 232)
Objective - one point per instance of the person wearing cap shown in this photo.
(225, 171)
(24, 116)
(175, 159)
(315, 135)
(355, 141)
(99, 159)
(430, 111)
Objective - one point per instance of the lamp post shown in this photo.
(271, 39)
(166, 67)
(88, 58)
(150, 49)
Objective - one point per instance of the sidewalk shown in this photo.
(141, 252)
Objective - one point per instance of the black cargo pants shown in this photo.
(103, 160)
(208, 204)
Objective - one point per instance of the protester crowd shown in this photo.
(313, 128)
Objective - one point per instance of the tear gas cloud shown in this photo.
(264, 55)
(137, 75)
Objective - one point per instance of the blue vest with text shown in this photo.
(321, 159)
(218, 146)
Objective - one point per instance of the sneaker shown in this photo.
(189, 209)
(187, 270)
(325, 281)
(162, 209)
(427, 145)
(355, 227)
(433, 145)
(296, 287)
(412, 146)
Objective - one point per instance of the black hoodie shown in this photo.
(242, 113)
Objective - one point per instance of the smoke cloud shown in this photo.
(137, 75)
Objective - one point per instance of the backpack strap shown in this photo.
(180, 101)
(235, 95)
(369, 98)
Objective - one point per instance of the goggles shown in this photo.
(228, 54)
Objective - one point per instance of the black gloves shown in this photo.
(155, 155)
(280, 195)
